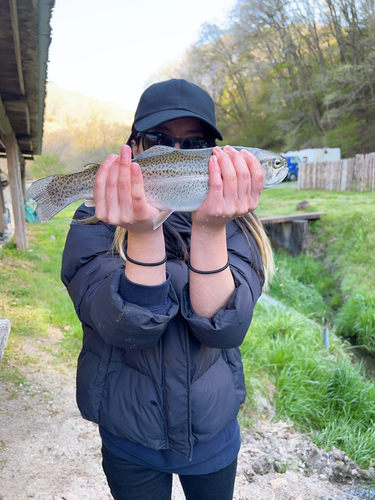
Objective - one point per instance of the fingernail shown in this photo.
(134, 168)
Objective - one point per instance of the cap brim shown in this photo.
(152, 121)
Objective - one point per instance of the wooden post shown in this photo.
(16, 191)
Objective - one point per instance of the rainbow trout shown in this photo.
(174, 180)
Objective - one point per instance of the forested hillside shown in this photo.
(284, 75)
(291, 75)
(78, 130)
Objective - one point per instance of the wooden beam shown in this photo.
(15, 102)
(5, 125)
(291, 218)
(17, 44)
(27, 118)
(19, 105)
(6, 97)
(16, 191)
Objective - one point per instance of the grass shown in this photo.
(326, 283)
(32, 296)
(283, 199)
(319, 389)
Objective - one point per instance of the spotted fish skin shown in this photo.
(174, 180)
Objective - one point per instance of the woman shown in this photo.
(164, 311)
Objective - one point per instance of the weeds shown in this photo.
(321, 391)
(356, 319)
(335, 282)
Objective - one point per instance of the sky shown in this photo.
(109, 49)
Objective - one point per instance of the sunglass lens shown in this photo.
(165, 140)
(158, 139)
(197, 143)
(149, 140)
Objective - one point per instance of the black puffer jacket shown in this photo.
(164, 381)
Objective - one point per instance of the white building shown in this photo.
(316, 154)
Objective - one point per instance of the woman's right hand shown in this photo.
(119, 194)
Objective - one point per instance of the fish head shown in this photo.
(275, 168)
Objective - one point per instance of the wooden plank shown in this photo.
(344, 175)
(337, 172)
(17, 45)
(291, 218)
(313, 166)
(351, 163)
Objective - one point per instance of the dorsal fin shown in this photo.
(91, 165)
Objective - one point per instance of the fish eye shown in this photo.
(276, 162)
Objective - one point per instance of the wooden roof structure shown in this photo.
(25, 36)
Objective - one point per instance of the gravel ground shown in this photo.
(356, 494)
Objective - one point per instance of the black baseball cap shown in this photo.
(173, 99)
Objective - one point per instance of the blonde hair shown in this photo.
(249, 222)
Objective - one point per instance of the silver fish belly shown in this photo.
(174, 180)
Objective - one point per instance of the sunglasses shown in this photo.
(150, 139)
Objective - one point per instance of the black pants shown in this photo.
(129, 481)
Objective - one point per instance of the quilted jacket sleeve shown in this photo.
(92, 274)
(228, 327)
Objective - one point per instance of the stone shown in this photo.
(303, 205)
(278, 483)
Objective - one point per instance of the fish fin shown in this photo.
(46, 206)
(154, 151)
(162, 217)
(89, 203)
(91, 165)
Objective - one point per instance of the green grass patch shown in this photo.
(326, 283)
(320, 390)
(356, 320)
(283, 199)
(32, 295)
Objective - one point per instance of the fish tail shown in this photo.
(49, 197)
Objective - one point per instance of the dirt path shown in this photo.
(48, 452)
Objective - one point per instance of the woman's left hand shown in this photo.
(236, 181)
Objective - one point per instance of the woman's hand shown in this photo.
(120, 200)
(236, 181)
(119, 194)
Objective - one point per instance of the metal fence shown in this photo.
(353, 174)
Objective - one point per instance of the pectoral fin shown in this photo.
(162, 217)
(89, 203)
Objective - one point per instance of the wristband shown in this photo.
(208, 272)
(151, 264)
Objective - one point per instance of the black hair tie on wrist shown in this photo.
(151, 264)
(208, 272)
